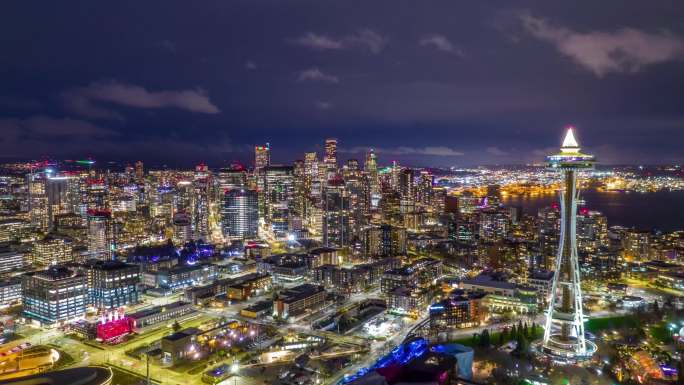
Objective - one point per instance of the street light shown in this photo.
(234, 369)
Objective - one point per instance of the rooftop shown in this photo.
(53, 273)
(490, 280)
(158, 309)
(299, 292)
(107, 265)
(182, 334)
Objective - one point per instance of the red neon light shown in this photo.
(115, 328)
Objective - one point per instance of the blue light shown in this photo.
(401, 355)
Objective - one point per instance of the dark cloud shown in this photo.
(316, 75)
(403, 150)
(625, 50)
(364, 38)
(440, 42)
(83, 100)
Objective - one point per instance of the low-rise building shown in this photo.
(298, 300)
(407, 300)
(462, 309)
(258, 310)
(401, 277)
(179, 345)
(158, 314)
(179, 277)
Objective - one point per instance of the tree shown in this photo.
(656, 309)
(526, 331)
(514, 332)
(534, 330)
(176, 326)
(523, 345)
(501, 338)
(484, 338)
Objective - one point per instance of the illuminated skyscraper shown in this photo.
(312, 182)
(240, 214)
(407, 186)
(100, 234)
(139, 171)
(278, 198)
(330, 158)
(564, 338)
(200, 212)
(182, 229)
(425, 189)
(38, 199)
(371, 168)
(234, 177)
(262, 157)
(336, 214)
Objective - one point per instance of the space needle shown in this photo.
(564, 339)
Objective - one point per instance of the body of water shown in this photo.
(663, 210)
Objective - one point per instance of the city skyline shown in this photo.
(342, 192)
(451, 85)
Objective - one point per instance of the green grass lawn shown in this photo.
(494, 338)
(595, 325)
(661, 333)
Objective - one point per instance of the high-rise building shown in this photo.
(495, 224)
(58, 197)
(139, 171)
(52, 250)
(311, 172)
(200, 212)
(182, 228)
(231, 178)
(240, 214)
(111, 284)
(564, 337)
(493, 197)
(262, 157)
(279, 192)
(336, 214)
(407, 186)
(592, 231)
(468, 203)
(100, 239)
(38, 199)
(54, 295)
(330, 158)
(384, 241)
(373, 191)
(97, 194)
(425, 188)
(636, 244)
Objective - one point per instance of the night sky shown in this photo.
(428, 83)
